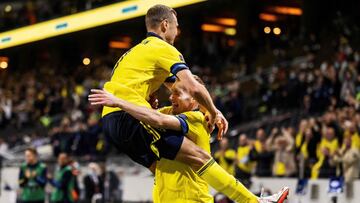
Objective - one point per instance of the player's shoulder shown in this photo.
(23, 165)
(68, 168)
(165, 110)
(42, 165)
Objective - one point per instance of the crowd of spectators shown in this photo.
(320, 147)
(46, 106)
(325, 142)
(49, 105)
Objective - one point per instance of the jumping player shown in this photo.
(175, 181)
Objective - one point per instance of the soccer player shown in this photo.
(175, 181)
(136, 76)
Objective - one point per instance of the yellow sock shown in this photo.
(225, 183)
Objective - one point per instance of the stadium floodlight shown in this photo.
(84, 20)
(277, 31)
(3, 64)
(267, 30)
(8, 8)
(86, 61)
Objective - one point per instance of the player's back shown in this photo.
(142, 70)
(177, 182)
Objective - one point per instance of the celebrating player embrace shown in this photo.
(146, 135)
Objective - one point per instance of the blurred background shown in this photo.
(284, 73)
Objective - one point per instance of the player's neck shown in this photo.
(156, 33)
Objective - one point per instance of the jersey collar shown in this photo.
(153, 34)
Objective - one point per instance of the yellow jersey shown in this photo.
(355, 139)
(244, 163)
(176, 182)
(332, 145)
(142, 70)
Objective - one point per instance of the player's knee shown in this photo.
(203, 155)
(200, 159)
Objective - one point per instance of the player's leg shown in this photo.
(128, 136)
(206, 167)
(175, 146)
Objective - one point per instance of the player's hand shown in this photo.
(210, 126)
(153, 101)
(28, 174)
(103, 98)
(220, 122)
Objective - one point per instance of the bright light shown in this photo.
(218, 28)
(277, 31)
(267, 30)
(225, 21)
(268, 17)
(286, 10)
(8, 8)
(212, 28)
(3, 64)
(230, 31)
(86, 61)
(119, 45)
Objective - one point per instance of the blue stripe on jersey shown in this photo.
(171, 79)
(184, 126)
(178, 67)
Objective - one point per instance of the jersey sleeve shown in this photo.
(171, 60)
(191, 121)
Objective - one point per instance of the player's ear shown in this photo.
(164, 25)
(194, 102)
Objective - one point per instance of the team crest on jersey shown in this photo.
(181, 58)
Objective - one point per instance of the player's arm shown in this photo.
(202, 96)
(146, 115)
(170, 81)
(171, 60)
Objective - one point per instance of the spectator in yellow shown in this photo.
(262, 155)
(307, 152)
(300, 135)
(244, 165)
(326, 149)
(225, 156)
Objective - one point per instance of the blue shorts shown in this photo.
(142, 143)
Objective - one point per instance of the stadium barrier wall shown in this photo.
(139, 188)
